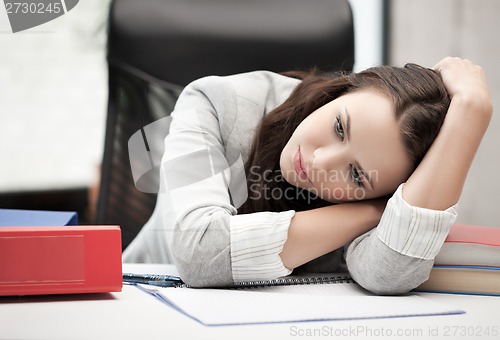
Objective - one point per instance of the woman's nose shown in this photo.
(329, 157)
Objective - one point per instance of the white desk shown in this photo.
(133, 314)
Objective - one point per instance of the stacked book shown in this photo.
(468, 262)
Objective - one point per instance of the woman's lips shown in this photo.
(298, 164)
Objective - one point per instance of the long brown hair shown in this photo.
(420, 100)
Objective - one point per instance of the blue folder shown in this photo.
(21, 217)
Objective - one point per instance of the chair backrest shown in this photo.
(156, 47)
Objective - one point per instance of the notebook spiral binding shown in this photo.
(293, 281)
(283, 281)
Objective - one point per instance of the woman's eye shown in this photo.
(356, 176)
(339, 129)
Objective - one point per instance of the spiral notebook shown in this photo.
(292, 299)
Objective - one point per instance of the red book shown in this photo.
(470, 245)
(60, 260)
(464, 233)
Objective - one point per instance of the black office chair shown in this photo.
(156, 47)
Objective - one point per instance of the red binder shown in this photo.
(60, 260)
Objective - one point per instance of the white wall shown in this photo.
(53, 95)
(368, 23)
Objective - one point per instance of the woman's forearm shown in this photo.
(313, 233)
(438, 181)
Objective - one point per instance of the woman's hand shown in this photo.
(466, 82)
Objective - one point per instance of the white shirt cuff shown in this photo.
(414, 231)
(256, 242)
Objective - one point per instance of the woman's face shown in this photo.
(349, 149)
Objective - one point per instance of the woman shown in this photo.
(325, 155)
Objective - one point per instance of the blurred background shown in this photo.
(53, 94)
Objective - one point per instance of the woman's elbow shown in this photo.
(388, 286)
(191, 272)
(200, 266)
(399, 279)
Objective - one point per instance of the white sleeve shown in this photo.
(414, 231)
(256, 243)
